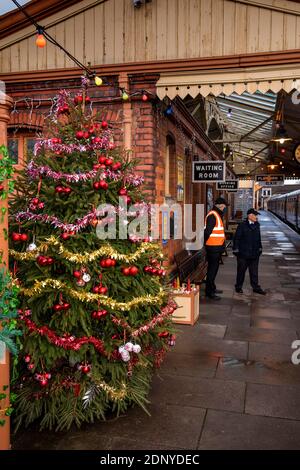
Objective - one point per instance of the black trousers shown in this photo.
(242, 265)
(213, 260)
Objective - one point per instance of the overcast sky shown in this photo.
(7, 5)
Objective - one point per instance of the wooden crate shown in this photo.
(188, 307)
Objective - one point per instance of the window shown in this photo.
(20, 148)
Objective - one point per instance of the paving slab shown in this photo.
(204, 393)
(236, 431)
(273, 400)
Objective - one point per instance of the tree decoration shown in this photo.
(91, 335)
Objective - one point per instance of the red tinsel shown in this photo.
(65, 341)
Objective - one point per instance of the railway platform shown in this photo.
(229, 383)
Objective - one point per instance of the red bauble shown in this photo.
(24, 237)
(113, 262)
(95, 314)
(57, 307)
(43, 382)
(55, 140)
(27, 358)
(116, 166)
(77, 274)
(123, 192)
(66, 306)
(102, 313)
(87, 100)
(108, 262)
(147, 269)
(96, 289)
(67, 190)
(153, 271)
(78, 99)
(103, 184)
(50, 260)
(163, 334)
(97, 140)
(103, 263)
(102, 159)
(108, 161)
(65, 236)
(133, 270)
(59, 189)
(35, 201)
(126, 271)
(104, 125)
(16, 237)
(79, 135)
(96, 166)
(86, 135)
(91, 130)
(103, 290)
(30, 366)
(128, 199)
(96, 185)
(41, 205)
(85, 369)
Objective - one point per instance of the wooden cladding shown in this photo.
(114, 32)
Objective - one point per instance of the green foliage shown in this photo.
(9, 330)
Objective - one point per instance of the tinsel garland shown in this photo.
(104, 251)
(165, 312)
(34, 171)
(67, 342)
(40, 286)
(112, 392)
(68, 149)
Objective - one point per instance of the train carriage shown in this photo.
(287, 208)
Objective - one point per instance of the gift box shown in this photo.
(188, 309)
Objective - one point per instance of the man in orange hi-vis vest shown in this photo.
(214, 241)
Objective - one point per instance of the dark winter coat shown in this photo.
(247, 240)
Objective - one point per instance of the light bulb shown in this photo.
(98, 81)
(40, 41)
(272, 167)
(125, 96)
(251, 152)
(281, 141)
(280, 163)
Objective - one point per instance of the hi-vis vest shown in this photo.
(217, 237)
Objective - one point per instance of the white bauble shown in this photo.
(32, 247)
(136, 348)
(86, 277)
(128, 347)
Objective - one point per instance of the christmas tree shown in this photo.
(94, 311)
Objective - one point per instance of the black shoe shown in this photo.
(212, 297)
(239, 290)
(259, 291)
(218, 291)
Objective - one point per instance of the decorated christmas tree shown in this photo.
(94, 310)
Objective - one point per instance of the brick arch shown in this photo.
(26, 120)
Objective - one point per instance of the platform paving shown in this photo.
(229, 382)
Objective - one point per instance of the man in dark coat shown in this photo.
(214, 241)
(248, 248)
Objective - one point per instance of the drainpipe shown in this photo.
(127, 111)
(6, 104)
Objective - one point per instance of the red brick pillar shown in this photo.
(5, 106)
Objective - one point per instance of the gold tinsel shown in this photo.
(40, 286)
(112, 392)
(104, 251)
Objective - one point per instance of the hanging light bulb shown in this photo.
(125, 95)
(257, 160)
(281, 141)
(144, 96)
(251, 151)
(229, 112)
(40, 40)
(280, 163)
(98, 81)
(272, 167)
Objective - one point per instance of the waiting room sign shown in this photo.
(209, 172)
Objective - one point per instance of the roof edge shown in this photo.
(15, 20)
